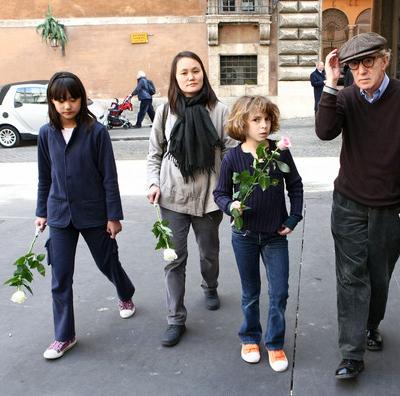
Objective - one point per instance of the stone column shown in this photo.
(352, 30)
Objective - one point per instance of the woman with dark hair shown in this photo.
(77, 194)
(186, 146)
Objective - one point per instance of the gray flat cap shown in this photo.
(360, 46)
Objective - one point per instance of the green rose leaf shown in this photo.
(238, 222)
(20, 261)
(41, 269)
(282, 166)
(260, 151)
(235, 212)
(236, 177)
(236, 195)
(275, 155)
(264, 181)
(28, 288)
(274, 182)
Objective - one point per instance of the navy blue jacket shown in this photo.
(317, 81)
(142, 90)
(78, 181)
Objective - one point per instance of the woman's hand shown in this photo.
(41, 223)
(284, 231)
(113, 228)
(153, 194)
(332, 68)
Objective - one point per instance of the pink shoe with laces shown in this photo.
(126, 308)
(57, 349)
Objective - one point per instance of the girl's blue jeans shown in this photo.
(273, 249)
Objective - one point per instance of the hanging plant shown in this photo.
(53, 32)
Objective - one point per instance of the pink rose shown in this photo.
(284, 143)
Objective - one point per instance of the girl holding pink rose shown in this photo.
(266, 224)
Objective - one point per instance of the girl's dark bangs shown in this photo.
(61, 87)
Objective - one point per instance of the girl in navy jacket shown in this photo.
(77, 194)
(265, 226)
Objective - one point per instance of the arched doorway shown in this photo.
(334, 30)
(363, 21)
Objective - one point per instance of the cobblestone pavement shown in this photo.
(128, 147)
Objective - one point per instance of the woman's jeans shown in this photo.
(273, 249)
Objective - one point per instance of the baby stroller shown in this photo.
(115, 117)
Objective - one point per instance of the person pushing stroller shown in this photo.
(144, 90)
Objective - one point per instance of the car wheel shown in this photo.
(9, 136)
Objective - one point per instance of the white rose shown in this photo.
(170, 255)
(18, 297)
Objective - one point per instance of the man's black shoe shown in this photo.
(173, 335)
(374, 340)
(349, 368)
(212, 300)
(136, 126)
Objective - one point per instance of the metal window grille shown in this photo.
(238, 70)
(228, 5)
(241, 7)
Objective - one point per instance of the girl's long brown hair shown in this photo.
(60, 85)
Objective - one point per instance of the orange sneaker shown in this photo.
(250, 353)
(278, 360)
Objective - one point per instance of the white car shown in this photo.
(23, 110)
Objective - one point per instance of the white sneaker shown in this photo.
(278, 360)
(57, 349)
(250, 353)
(126, 308)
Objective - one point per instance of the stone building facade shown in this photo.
(266, 47)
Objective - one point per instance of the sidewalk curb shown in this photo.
(128, 138)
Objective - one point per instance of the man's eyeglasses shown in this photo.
(367, 62)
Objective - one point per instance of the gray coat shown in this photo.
(194, 197)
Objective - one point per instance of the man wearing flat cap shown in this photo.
(365, 218)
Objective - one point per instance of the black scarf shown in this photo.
(193, 137)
